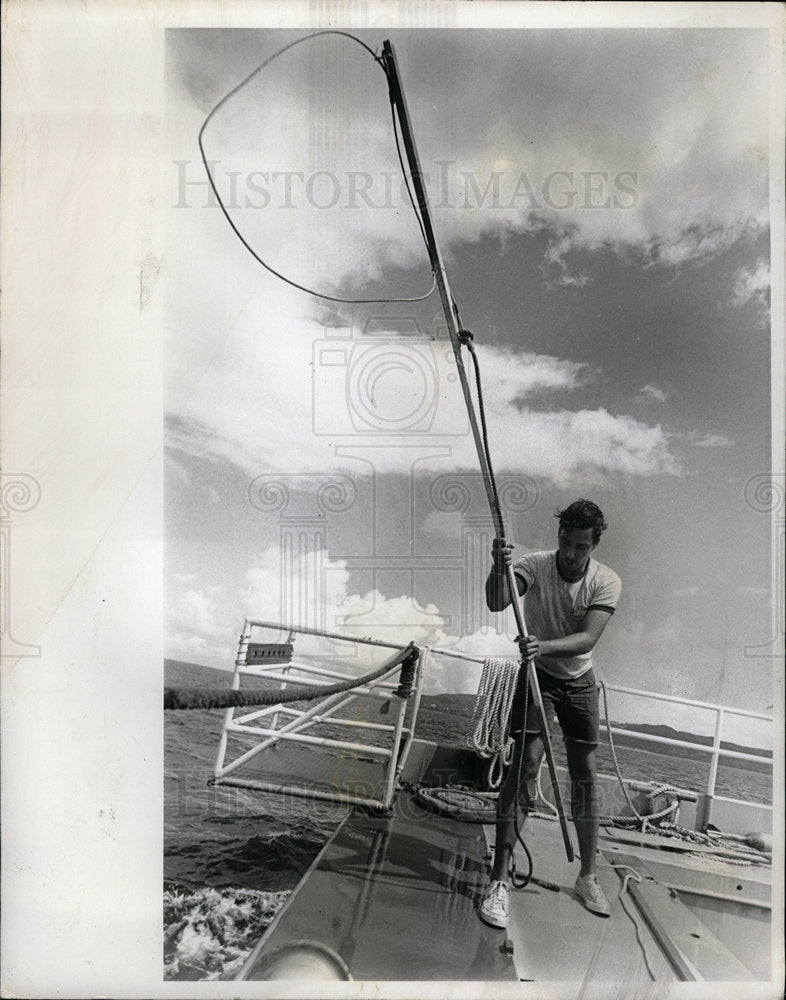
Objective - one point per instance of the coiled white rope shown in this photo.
(489, 731)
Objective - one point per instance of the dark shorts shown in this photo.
(574, 702)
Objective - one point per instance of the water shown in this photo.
(231, 856)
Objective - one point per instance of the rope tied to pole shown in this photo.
(195, 698)
(466, 339)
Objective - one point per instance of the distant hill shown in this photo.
(667, 732)
(452, 704)
(178, 673)
(463, 705)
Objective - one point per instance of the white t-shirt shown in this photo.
(554, 608)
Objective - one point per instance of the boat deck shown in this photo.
(651, 934)
(396, 896)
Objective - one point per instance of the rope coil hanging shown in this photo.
(488, 733)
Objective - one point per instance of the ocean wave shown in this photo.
(209, 933)
(254, 861)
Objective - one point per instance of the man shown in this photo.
(569, 599)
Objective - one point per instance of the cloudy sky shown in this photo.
(601, 201)
(600, 198)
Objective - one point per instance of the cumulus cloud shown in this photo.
(652, 392)
(306, 162)
(753, 285)
(202, 623)
(589, 443)
(330, 398)
(650, 144)
(312, 591)
(518, 374)
(713, 441)
(700, 439)
(555, 268)
(656, 141)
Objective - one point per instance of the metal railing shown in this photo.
(264, 723)
(266, 726)
(716, 751)
(706, 797)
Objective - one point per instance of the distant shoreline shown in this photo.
(180, 673)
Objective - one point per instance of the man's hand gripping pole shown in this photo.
(537, 699)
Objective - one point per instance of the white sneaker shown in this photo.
(589, 891)
(495, 906)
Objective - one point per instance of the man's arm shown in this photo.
(497, 590)
(583, 641)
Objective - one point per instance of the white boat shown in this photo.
(393, 894)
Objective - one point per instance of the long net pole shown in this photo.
(453, 326)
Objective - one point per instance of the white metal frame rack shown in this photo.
(274, 724)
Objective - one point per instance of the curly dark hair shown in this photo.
(583, 514)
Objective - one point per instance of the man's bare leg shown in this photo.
(508, 799)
